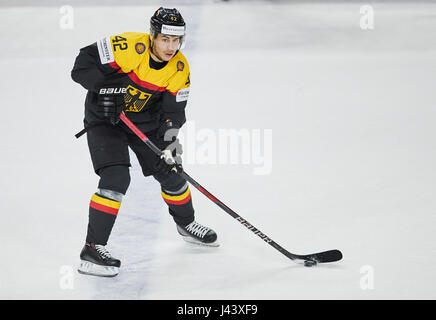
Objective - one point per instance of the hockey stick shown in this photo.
(308, 259)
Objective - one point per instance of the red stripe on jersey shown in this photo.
(114, 65)
(140, 82)
(145, 84)
(103, 208)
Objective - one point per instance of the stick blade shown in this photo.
(324, 257)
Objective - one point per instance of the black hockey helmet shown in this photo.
(168, 21)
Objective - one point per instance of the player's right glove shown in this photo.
(111, 103)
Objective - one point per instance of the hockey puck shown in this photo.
(309, 263)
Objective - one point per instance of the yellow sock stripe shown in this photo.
(106, 202)
(176, 198)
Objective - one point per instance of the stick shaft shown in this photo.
(210, 196)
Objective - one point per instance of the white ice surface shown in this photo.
(354, 155)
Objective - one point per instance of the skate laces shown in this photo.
(197, 229)
(102, 251)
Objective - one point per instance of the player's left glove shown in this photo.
(170, 159)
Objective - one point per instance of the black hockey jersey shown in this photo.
(155, 92)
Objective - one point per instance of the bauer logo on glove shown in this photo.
(112, 90)
(111, 102)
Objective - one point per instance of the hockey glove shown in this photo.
(170, 159)
(111, 103)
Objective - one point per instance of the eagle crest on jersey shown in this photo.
(135, 99)
(123, 53)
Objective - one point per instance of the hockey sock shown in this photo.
(102, 214)
(180, 205)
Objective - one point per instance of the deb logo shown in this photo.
(140, 48)
(136, 99)
(180, 66)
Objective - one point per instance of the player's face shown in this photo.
(166, 46)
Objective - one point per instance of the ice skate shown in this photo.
(198, 234)
(97, 261)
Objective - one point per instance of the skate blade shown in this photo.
(93, 269)
(199, 243)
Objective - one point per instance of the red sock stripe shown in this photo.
(103, 208)
(183, 201)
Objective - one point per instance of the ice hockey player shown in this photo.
(146, 76)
